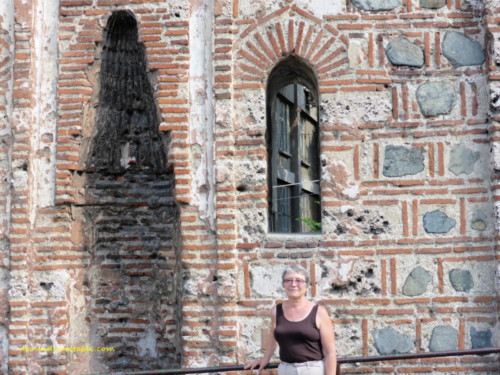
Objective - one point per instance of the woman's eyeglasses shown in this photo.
(298, 282)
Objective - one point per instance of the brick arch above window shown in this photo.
(263, 45)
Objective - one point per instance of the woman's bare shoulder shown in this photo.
(322, 310)
(322, 316)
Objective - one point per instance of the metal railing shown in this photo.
(340, 362)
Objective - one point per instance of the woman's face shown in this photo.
(294, 284)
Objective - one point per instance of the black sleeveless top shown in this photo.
(298, 341)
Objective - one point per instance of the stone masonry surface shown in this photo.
(134, 180)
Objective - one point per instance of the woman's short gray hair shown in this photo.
(298, 269)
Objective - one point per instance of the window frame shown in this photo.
(292, 71)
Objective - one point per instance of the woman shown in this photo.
(302, 329)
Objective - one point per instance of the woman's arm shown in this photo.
(271, 346)
(325, 327)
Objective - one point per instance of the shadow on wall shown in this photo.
(130, 216)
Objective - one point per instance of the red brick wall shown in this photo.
(56, 265)
(67, 270)
(132, 299)
(6, 87)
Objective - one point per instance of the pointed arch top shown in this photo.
(292, 69)
(121, 26)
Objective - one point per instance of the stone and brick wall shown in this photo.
(173, 264)
(406, 171)
(6, 87)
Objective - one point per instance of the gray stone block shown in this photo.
(481, 339)
(462, 159)
(401, 51)
(390, 341)
(461, 280)
(438, 222)
(462, 50)
(443, 338)
(436, 98)
(416, 282)
(479, 221)
(479, 225)
(376, 4)
(401, 161)
(432, 4)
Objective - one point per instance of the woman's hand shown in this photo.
(270, 347)
(257, 364)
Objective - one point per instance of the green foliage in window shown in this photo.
(313, 225)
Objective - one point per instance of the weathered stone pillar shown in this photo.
(32, 169)
(492, 64)
(6, 107)
(202, 108)
(199, 252)
(44, 103)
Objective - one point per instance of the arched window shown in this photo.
(293, 148)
